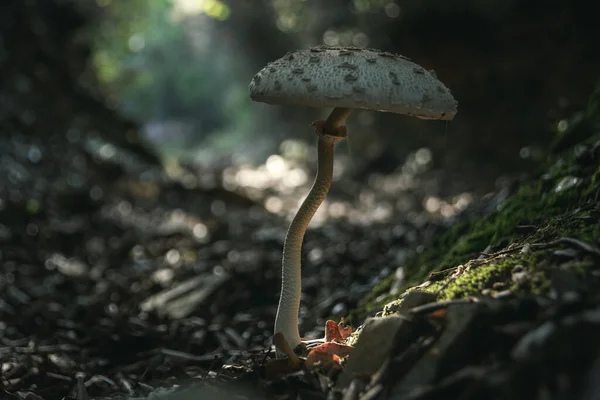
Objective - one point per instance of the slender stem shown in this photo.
(286, 320)
(330, 132)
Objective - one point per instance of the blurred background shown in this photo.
(180, 68)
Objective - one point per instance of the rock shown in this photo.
(373, 348)
(412, 299)
(452, 345)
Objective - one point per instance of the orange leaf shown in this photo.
(327, 355)
(335, 332)
(345, 330)
(331, 348)
(322, 360)
(332, 331)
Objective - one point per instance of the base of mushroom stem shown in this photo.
(306, 345)
(282, 346)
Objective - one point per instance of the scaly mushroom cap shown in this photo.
(352, 77)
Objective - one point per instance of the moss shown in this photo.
(479, 278)
(562, 201)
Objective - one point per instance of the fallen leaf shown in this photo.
(327, 355)
(336, 332)
(345, 330)
(332, 331)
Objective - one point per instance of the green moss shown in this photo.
(479, 278)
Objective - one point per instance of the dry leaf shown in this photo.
(327, 355)
(345, 330)
(335, 332)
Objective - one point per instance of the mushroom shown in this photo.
(343, 78)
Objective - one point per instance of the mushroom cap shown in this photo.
(352, 77)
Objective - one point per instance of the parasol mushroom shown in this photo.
(343, 78)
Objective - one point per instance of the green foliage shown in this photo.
(159, 63)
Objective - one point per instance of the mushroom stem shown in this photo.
(286, 320)
(336, 119)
